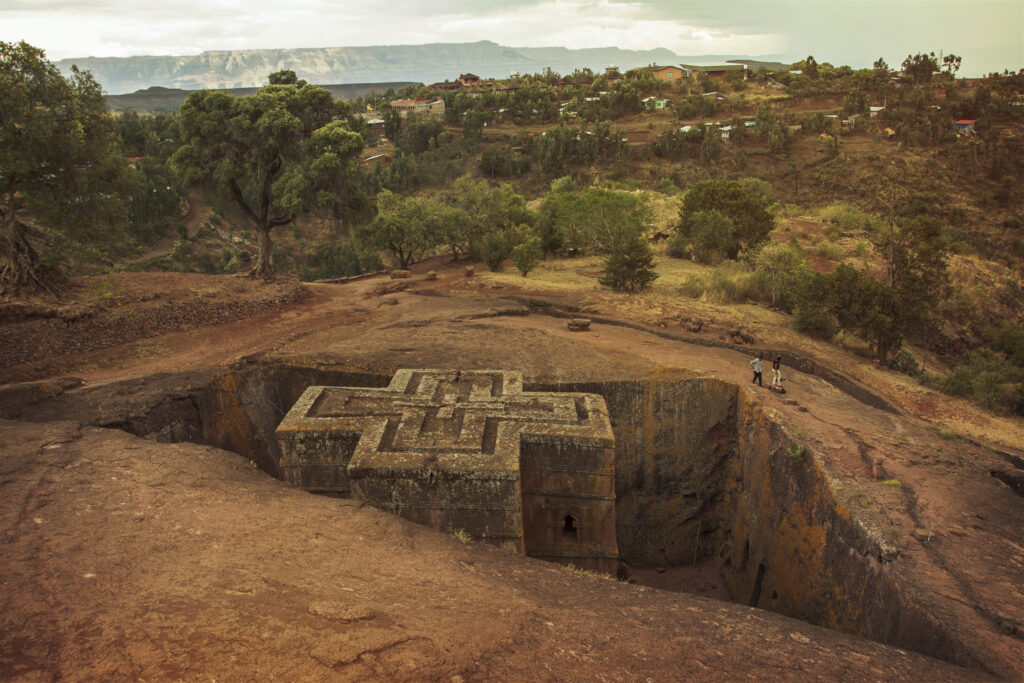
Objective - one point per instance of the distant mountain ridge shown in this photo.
(373, 64)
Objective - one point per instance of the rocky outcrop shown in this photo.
(702, 470)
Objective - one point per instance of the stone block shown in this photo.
(470, 450)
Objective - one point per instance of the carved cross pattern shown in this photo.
(451, 419)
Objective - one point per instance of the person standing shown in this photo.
(756, 364)
(777, 372)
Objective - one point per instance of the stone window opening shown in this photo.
(570, 532)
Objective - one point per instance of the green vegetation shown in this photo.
(275, 153)
(527, 255)
(721, 217)
(900, 235)
(58, 163)
(629, 266)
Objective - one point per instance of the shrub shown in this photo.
(206, 264)
(527, 255)
(708, 236)
(497, 249)
(678, 245)
(905, 362)
(630, 265)
(182, 250)
(988, 380)
(814, 321)
(846, 218)
(666, 186)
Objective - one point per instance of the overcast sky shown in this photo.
(988, 34)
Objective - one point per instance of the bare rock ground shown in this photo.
(170, 561)
(126, 559)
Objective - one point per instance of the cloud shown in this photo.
(853, 31)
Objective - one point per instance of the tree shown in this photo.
(400, 227)
(629, 265)
(489, 208)
(527, 255)
(855, 103)
(451, 225)
(811, 67)
(951, 63)
(920, 67)
(915, 256)
(834, 146)
(780, 266)
(284, 77)
(275, 152)
(58, 160)
(710, 235)
(745, 202)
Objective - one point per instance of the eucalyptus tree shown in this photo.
(59, 163)
(276, 152)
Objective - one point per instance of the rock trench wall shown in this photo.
(702, 471)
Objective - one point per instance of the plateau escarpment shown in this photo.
(382, 63)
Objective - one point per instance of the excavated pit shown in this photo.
(708, 489)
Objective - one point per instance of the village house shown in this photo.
(611, 74)
(374, 128)
(469, 80)
(445, 85)
(965, 126)
(420, 106)
(654, 103)
(663, 73)
(715, 72)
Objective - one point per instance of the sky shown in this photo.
(987, 34)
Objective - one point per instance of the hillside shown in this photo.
(159, 99)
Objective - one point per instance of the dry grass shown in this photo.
(664, 305)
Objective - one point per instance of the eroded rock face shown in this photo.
(702, 470)
(124, 558)
(532, 472)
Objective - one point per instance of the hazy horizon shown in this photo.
(987, 34)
